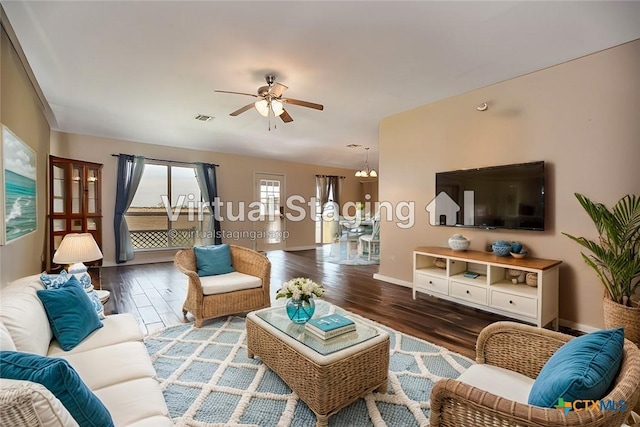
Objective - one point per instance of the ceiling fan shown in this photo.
(270, 100)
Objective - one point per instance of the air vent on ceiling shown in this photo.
(354, 145)
(203, 118)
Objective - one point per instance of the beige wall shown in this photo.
(235, 183)
(580, 117)
(369, 193)
(21, 111)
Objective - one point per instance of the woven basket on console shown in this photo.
(618, 315)
(532, 279)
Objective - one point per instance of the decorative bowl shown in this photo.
(458, 242)
(514, 273)
(501, 248)
(518, 255)
(516, 247)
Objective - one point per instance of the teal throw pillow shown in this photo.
(54, 281)
(213, 260)
(70, 313)
(582, 369)
(59, 377)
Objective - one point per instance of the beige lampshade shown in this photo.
(77, 247)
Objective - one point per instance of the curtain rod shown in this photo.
(163, 160)
(327, 176)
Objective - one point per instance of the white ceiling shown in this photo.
(141, 71)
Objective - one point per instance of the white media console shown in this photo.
(492, 290)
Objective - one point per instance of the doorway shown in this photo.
(270, 228)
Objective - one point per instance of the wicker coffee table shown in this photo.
(326, 375)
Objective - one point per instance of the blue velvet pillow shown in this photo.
(213, 260)
(60, 379)
(582, 369)
(54, 281)
(70, 313)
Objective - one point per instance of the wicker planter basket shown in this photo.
(617, 315)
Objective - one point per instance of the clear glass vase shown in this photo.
(300, 311)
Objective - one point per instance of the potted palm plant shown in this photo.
(615, 257)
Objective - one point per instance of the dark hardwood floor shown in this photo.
(154, 294)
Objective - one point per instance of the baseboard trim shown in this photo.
(393, 280)
(578, 326)
(301, 248)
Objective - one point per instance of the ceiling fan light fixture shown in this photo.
(277, 107)
(263, 107)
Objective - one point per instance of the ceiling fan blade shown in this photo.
(242, 110)
(236, 93)
(285, 117)
(277, 89)
(304, 103)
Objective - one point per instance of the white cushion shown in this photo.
(133, 401)
(229, 282)
(501, 382)
(33, 397)
(24, 317)
(117, 328)
(6, 342)
(106, 366)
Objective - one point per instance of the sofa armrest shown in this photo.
(25, 403)
(517, 347)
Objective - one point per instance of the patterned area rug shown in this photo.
(207, 380)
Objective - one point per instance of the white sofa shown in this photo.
(112, 361)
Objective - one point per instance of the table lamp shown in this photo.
(77, 248)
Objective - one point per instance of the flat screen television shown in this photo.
(508, 196)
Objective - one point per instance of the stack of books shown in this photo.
(330, 326)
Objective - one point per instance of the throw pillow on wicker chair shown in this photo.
(582, 369)
(213, 260)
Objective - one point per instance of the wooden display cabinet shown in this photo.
(75, 203)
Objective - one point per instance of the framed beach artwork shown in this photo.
(18, 188)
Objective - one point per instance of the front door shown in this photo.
(270, 229)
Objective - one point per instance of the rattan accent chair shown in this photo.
(525, 349)
(204, 307)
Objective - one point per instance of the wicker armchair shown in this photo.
(205, 307)
(525, 349)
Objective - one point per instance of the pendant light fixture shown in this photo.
(366, 171)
